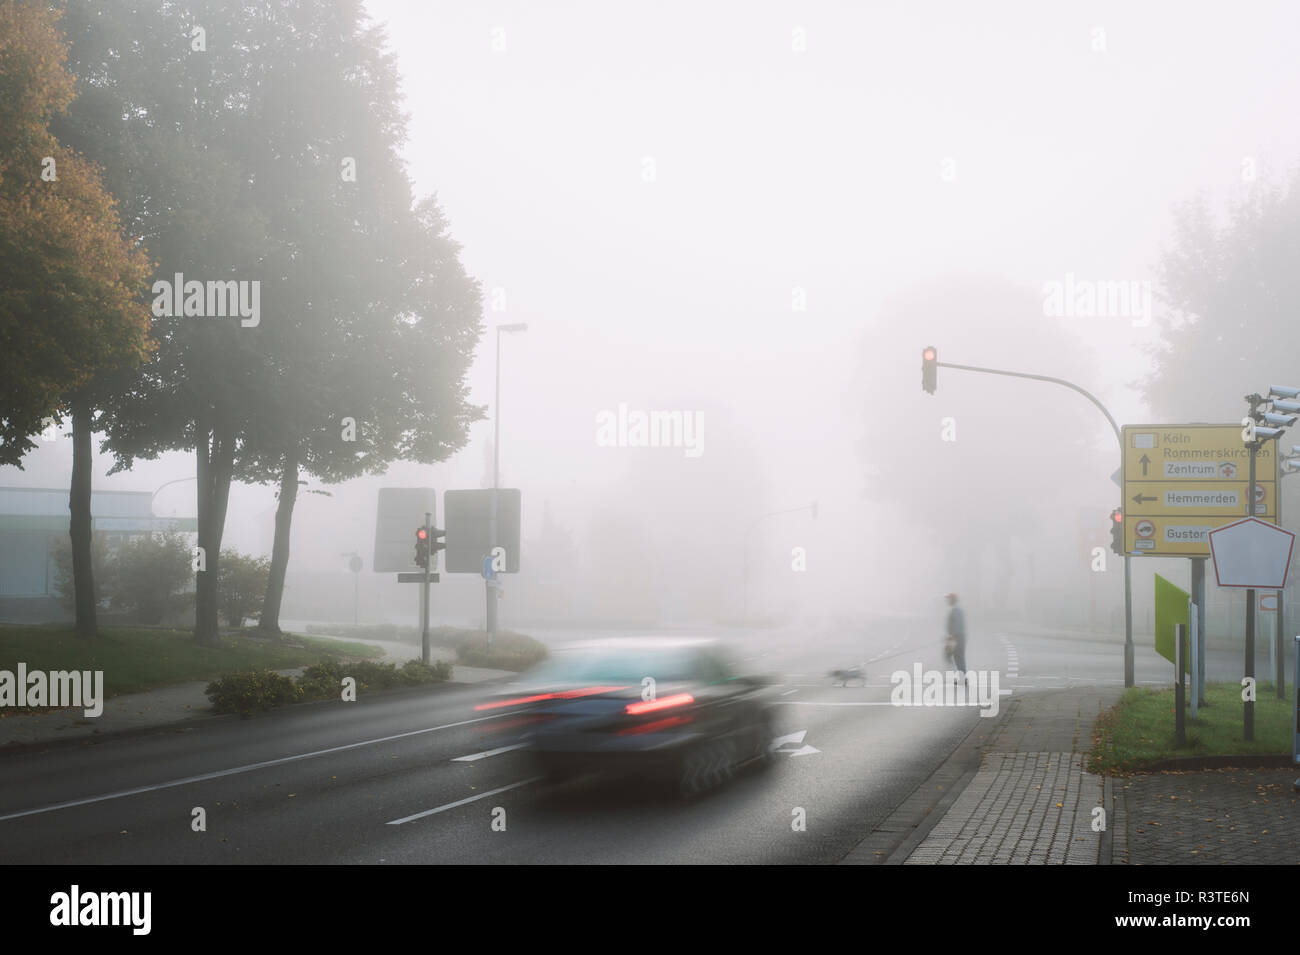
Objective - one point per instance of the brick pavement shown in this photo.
(1031, 802)
(1211, 817)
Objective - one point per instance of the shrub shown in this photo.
(510, 651)
(324, 681)
(241, 583)
(251, 691)
(64, 584)
(150, 575)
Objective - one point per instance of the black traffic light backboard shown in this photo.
(466, 517)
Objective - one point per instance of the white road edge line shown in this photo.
(488, 752)
(171, 784)
(461, 802)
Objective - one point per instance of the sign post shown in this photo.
(1295, 712)
(1253, 555)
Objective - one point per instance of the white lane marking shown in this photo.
(788, 692)
(818, 703)
(171, 784)
(487, 752)
(462, 802)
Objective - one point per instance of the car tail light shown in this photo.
(663, 703)
(540, 697)
(655, 726)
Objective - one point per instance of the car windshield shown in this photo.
(609, 665)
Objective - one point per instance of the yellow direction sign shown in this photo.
(1182, 481)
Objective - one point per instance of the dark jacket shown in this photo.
(957, 624)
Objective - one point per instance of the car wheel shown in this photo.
(692, 772)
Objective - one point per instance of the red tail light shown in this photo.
(655, 726)
(560, 695)
(663, 703)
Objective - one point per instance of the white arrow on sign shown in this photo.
(793, 738)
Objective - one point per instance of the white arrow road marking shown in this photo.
(804, 751)
(462, 802)
(792, 738)
(488, 752)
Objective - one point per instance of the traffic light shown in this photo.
(929, 369)
(436, 545)
(1117, 531)
(422, 547)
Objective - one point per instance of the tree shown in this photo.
(162, 121)
(380, 320)
(244, 175)
(71, 285)
(64, 578)
(1232, 293)
(242, 586)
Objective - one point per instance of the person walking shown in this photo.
(955, 646)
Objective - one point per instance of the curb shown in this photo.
(1256, 761)
(910, 822)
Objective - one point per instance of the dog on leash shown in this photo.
(852, 673)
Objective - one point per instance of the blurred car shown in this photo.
(672, 710)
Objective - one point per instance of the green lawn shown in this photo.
(135, 660)
(1139, 730)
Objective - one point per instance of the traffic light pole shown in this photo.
(1128, 572)
(424, 598)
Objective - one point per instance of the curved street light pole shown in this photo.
(749, 530)
(490, 585)
(166, 484)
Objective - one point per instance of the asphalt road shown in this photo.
(414, 777)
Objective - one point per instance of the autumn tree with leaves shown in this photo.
(72, 306)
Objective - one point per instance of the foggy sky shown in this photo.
(778, 169)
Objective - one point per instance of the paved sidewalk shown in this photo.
(1211, 817)
(1031, 800)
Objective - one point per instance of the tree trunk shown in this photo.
(270, 623)
(215, 453)
(79, 527)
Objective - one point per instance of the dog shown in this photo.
(852, 673)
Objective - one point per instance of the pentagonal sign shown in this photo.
(1251, 553)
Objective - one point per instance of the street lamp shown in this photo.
(490, 585)
(790, 510)
(167, 484)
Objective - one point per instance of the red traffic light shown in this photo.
(422, 533)
(1117, 517)
(928, 354)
